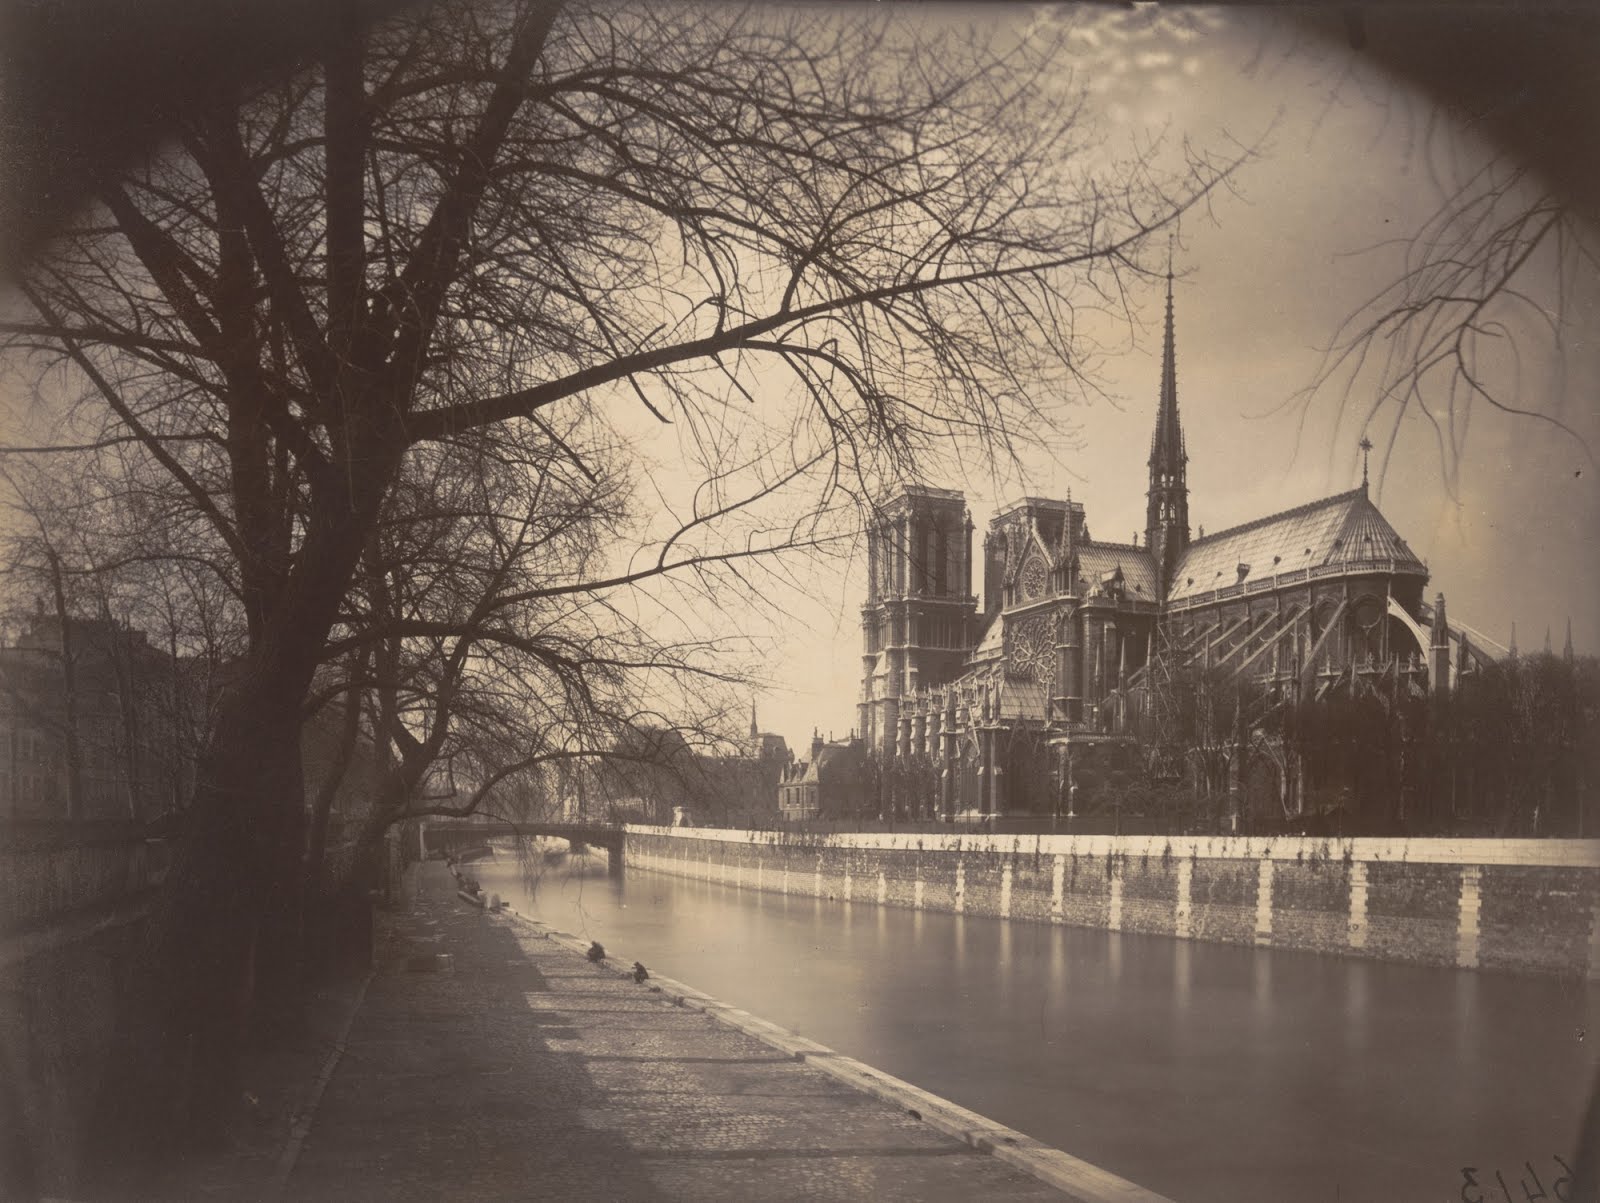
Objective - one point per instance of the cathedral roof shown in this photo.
(992, 642)
(1138, 569)
(1345, 531)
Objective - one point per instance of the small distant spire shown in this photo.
(1566, 652)
(1366, 449)
(1547, 650)
(1512, 650)
(754, 730)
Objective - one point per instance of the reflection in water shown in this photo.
(1356, 992)
(1004, 976)
(1182, 974)
(1261, 976)
(1466, 1017)
(1202, 1071)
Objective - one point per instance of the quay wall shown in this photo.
(74, 918)
(1530, 906)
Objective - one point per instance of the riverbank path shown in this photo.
(518, 1070)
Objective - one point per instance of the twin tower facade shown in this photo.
(1072, 637)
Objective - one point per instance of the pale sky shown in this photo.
(1350, 161)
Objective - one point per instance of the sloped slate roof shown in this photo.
(992, 642)
(1018, 697)
(1138, 569)
(810, 771)
(1345, 530)
(1023, 699)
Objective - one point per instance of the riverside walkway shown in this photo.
(519, 1070)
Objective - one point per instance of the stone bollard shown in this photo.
(1358, 904)
(1470, 902)
(1183, 905)
(1264, 900)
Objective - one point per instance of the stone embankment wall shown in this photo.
(72, 928)
(71, 924)
(1525, 905)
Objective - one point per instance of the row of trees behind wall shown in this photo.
(1511, 751)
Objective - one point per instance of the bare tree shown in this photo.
(1483, 296)
(491, 609)
(472, 217)
(1490, 296)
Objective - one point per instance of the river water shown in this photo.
(1206, 1072)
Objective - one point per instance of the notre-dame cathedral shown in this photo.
(1077, 642)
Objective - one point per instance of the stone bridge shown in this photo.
(444, 835)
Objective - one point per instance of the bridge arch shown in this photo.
(441, 835)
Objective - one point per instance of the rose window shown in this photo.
(1032, 650)
(1033, 578)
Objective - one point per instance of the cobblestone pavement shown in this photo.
(522, 1072)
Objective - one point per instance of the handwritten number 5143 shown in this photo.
(1475, 1191)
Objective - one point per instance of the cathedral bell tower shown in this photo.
(920, 616)
(1166, 525)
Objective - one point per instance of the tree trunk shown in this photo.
(229, 915)
(173, 1067)
(328, 789)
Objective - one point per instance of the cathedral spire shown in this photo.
(754, 730)
(1167, 508)
(1166, 444)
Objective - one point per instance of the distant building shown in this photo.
(654, 774)
(137, 715)
(1075, 649)
(102, 706)
(766, 747)
(829, 783)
